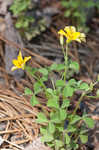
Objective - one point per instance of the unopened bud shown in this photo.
(61, 39)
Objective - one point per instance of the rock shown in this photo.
(96, 146)
(4, 5)
(10, 51)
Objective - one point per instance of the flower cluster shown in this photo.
(71, 35)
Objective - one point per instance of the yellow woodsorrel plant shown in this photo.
(62, 127)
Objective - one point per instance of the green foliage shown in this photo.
(26, 18)
(89, 122)
(53, 130)
(78, 11)
(19, 7)
(61, 127)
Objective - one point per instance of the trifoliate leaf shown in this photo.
(34, 100)
(84, 138)
(41, 118)
(47, 138)
(44, 71)
(51, 127)
(68, 91)
(53, 102)
(66, 103)
(67, 138)
(37, 88)
(28, 91)
(60, 83)
(58, 144)
(75, 119)
(89, 121)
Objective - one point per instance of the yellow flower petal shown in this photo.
(75, 35)
(78, 40)
(26, 59)
(70, 29)
(20, 59)
(61, 32)
(82, 37)
(14, 68)
(16, 63)
(68, 41)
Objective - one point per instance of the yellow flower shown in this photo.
(19, 63)
(71, 35)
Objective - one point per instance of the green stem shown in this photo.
(66, 62)
(36, 78)
(63, 50)
(79, 101)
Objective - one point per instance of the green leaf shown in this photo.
(59, 128)
(67, 138)
(71, 129)
(97, 93)
(66, 103)
(68, 91)
(74, 4)
(75, 119)
(84, 138)
(84, 86)
(67, 13)
(18, 24)
(58, 144)
(74, 65)
(83, 131)
(76, 14)
(74, 146)
(54, 117)
(37, 88)
(62, 114)
(34, 100)
(60, 67)
(44, 71)
(50, 91)
(90, 122)
(31, 70)
(90, 4)
(47, 138)
(41, 118)
(72, 82)
(50, 144)
(43, 130)
(51, 128)
(44, 78)
(53, 67)
(53, 102)
(19, 6)
(65, 3)
(60, 83)
(28, 91)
